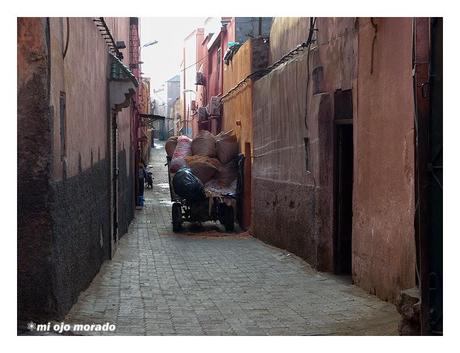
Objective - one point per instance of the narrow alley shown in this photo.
(297, 167)
(216, 283)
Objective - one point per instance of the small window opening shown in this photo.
(62, 121)
(307, 154)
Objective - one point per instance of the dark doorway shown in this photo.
(435, 136)
(247, 186)
(343, 199)
(428, 90)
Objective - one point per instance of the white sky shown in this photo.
(162, 60)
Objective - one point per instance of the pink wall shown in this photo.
(215, 64)
(202, 66)
(383, 211)
(214, 79)
(213, 71)
(82, 75)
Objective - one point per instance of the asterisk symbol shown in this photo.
(31, 326)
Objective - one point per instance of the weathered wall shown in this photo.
(383, 211)
(237, 108)
(120, 27)
(34, 169)
(64, 209)
(81, 232)
(237, 116)
(284, 193)
(293, 203)
(86, 102)
(126, 190)
(214, 80)
(252, 56)
(84, 81)
(285, 34)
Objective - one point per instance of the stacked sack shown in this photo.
(182, 150)
(170, 146)
(200, 156)
(226, 146)
(202, 162)
(204, 144)
(203, 167)
(227, 151)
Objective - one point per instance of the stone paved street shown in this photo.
(215, 283)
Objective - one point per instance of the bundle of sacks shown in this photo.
(208, 156)
(183, 149)
(170, 145)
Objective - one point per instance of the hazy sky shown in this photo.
(162, 60)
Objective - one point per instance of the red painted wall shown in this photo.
(212, 68)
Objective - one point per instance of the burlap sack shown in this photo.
(227, 173)
(204, 144)
(226, 146)
(203, 167)
(170, 145)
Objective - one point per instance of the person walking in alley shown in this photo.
(141, 179)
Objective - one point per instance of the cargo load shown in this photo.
(226, 146)
(204, 144)
(205, 179)
(203, 167)
(182, 150)
(227, 173)
(170, 145)
(187, 185)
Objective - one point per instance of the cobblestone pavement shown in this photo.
(214, 283)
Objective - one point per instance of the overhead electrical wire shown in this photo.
(196, 62)
(262, 72)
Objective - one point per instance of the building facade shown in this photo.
(146, 129)
(333, 132)
(237, 115)
(187, 81)
(212, 46)
(74, 132)
(172, 95)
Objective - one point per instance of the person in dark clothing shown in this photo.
(149, 178)
(141, 179)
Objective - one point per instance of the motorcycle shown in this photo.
(149, 179)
